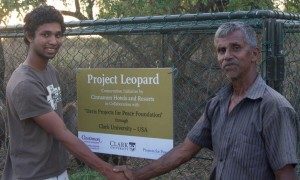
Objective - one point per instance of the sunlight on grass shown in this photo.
(86, 174)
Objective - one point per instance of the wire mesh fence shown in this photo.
(183, 42)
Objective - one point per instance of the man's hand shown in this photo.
(116, 176)
(171, 160)
(286, 172)
(129, 173)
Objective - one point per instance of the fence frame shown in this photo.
(272, 53)
(271, 23)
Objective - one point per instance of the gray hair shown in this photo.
(230, 27)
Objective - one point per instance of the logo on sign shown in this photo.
(123, 146)
(91, 139)
(131, 146)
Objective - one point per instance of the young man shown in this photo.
(250, 127)
(38, 137)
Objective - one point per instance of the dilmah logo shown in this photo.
(132, 146)
(89, 138)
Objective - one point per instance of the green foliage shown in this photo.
(122, 8)
(86, 174)
(125, 8)
(250, 5)
(292, 6)
(6, 6)
(116, 8)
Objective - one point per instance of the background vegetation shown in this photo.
(191, 52)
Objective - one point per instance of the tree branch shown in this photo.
(89, 8)
(77, 15)
(77, 6)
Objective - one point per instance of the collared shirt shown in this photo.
(258, 137)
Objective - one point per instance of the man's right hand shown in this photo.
(171, 160)
(129, 173)
(116, 176)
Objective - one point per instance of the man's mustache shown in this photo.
(230, 64)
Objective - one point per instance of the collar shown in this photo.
(255, 91)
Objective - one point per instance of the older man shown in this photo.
(250, 127)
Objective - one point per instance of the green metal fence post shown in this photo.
(2, 71)
(272, 54)
(279, 57)
(163, 49)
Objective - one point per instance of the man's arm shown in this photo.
(171, 160)
(288, 172)
(55, 126)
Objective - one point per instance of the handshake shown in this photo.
(124, 172)
(169, 161)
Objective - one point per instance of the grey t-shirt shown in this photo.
(258, 137)
(33, 153)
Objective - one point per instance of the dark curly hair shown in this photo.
(39, 16)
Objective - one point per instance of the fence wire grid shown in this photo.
(183, 42)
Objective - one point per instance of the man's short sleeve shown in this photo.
(29, 99)
(200, 134)
(280, 135)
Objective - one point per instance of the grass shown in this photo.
(86, 174)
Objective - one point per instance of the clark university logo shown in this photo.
(131, 146)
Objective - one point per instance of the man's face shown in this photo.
(236, 58)
(46, 41)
